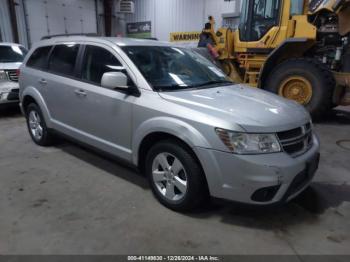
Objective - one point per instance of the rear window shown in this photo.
(63, 58)
(39, 58)
(12, 54)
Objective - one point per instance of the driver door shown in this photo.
(102, 115)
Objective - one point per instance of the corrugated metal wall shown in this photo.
(217, 8)
(169, 16)
(21, 23)
(179, 15)
(59, 17)
(5, 24)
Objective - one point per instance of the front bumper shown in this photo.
(9, 93)
(258, 179)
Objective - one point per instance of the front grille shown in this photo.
(12, 75)
(296, 141)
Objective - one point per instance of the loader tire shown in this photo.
(346, 61)
(306, 81)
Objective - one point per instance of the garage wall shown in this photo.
(5, 24)
(169, 16)
(220, 8)
(180, 15)
(177, 16)
(45, 17)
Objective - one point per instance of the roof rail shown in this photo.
(75, 34)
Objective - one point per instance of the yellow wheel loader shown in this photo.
(298, 49)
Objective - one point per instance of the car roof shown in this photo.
(120, 41)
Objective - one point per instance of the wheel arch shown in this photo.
(153, 138)
(290, 48)
(30, 94)
(162, 128)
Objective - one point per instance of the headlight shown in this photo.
(244, 143)
(3, 75)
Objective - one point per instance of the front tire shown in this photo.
(37, 128)
(304, 81)
(175, 176)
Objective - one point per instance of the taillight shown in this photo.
(18, 72)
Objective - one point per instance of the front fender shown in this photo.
(169, 125)
(35, 94)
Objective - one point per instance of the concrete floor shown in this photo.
(68, 200)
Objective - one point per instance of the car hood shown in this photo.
(9, 66)
(253, 109)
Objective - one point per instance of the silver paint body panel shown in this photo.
(117, 123)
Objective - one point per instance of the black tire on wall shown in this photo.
(319, 78)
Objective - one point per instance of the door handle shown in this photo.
(42, 81)
(80, 92)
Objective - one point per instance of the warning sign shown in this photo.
(184, 36)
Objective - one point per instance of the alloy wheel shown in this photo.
(169, 176)
(35, 125)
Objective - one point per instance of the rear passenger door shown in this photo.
(102, 115)
(60, 84)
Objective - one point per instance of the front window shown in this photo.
(12, 54)
(258, 17)
(296, 7)
(98, 61)
(171, 68)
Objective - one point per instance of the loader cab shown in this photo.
(257, 18)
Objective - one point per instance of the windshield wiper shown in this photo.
(170, 87)
(181, 87)
(213, 82)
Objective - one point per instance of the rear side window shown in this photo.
(63, 59)
(98, 61)
(39, 58)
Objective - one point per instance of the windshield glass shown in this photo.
(296, 7)
(171, 68)
(12, 54)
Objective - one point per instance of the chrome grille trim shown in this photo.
(296, 145)
(12, 75)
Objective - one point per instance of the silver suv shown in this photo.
(174, 115)
(11, 57)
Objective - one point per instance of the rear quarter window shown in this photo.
(38, 59)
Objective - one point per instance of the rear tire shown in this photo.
(37, 128)
(312, 75)
(175, 176)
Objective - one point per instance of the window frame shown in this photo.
(79, 64)
(250, 21)
(74, 75)
(126, 70)
(45, 69)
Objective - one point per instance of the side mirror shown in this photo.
(113, 80)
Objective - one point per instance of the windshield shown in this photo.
(296, 7)
(12, 54)
(171, 68)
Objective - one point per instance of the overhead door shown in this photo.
(50, 17)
